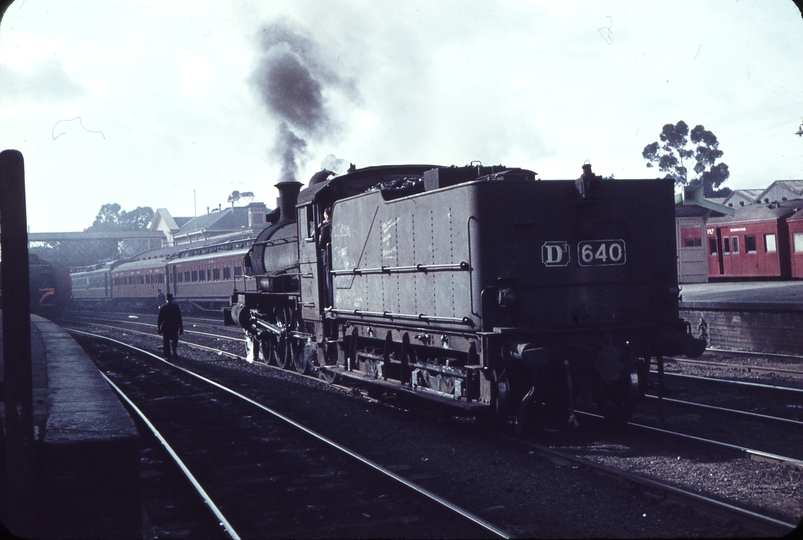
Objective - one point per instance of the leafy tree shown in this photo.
(675, 153)
(110, 218)
(138, 219)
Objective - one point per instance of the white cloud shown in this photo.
(542, 85)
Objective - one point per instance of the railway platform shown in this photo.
(762, 316)
(767, 295)
(86, 456)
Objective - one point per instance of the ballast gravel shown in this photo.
(500, 481)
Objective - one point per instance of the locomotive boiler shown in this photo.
(482, 288)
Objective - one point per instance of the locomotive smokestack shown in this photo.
(288, 197)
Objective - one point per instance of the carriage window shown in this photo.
(726, 245)
(693, 242)
(195, 275)
(712, 246)
(226, 272)
(187, 277)
(216, 274)
(238, 271)
(769, 243)
(202, 275)
(750, 243)
(798, 240)
(735, 244)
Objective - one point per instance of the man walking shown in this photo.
(169, 326)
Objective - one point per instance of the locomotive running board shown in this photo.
(357, 378)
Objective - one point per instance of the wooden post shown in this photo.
(17, 371)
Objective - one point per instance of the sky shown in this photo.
(177, 103)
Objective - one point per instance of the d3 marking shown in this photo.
(555, 253)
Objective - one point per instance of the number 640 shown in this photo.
(601, 252)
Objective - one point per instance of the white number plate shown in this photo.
(601, 252)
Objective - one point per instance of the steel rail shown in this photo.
(128, 315)
(195, 484)
(193, 332)
(151, 325)
(751, 453)
(739, 366)
(762, 523)
(187, 343)
(738, 383)
(755, 353)
(488, 527)
(725, 409)
(758, 455)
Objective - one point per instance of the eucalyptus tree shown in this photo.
(689, 158)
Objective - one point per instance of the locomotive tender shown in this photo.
(483, 288)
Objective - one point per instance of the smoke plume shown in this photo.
(290, 79)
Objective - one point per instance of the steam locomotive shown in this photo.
(482, 288)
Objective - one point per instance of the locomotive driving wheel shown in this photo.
(266, 350)
(294, 347)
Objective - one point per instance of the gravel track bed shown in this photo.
(500, 481)
(763, 487)
(265, 475)
(760, 434)
(741, 369)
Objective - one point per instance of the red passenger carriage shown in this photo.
(752, 244)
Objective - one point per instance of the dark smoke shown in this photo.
(290, 79)
(289, 91)
(288, 148)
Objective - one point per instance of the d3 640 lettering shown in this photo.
(611, 252)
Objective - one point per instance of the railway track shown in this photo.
(767, 417)
(756, 521)
(274, 466)
(693, 498)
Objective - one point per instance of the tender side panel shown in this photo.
(406, 260)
